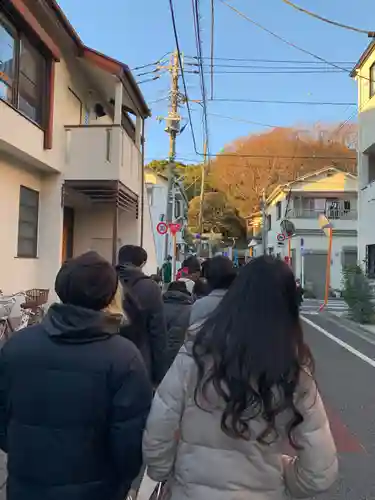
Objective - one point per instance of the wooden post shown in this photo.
(174, 251)
(328, 270)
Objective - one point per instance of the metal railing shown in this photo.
(332, 214)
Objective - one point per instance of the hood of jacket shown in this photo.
(65, 323)
(128, 272)
(204, 307)
(177, 297)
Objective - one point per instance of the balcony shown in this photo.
(102, 153)
(339, 214)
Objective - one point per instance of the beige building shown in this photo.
(71, 140)
(364, 73)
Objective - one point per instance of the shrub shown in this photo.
(357, 295)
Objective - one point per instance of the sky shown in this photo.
(140, 32)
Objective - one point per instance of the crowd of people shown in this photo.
(205, 385)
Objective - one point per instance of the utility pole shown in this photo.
(173, 129)
(201, 201)
(264, 222)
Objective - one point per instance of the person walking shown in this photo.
(232, 399)
(144, 306)
(220, 275)
(190, 272)
(166, 272)
(74, 395)
(177, 303)
(201, 289)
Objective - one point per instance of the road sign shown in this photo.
(280, 237)
(174, 228)
(162, 228)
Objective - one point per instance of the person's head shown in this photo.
(201, 288)
(88, 281)
(252, 349)
(220, 273)
(132, 254)
(169, 258)
(178, 286)
(193, 267)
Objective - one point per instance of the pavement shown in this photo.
(311, 306)
(345, 371)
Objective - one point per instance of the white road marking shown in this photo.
(340, 342)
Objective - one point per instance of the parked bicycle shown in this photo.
(32, 310)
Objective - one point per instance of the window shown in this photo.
(372, 80)
(370, 261)
(269, 222)
(371, 168)
(278, 210)
(22, 73)
(28, 223)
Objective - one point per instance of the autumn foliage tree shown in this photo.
(263, 161)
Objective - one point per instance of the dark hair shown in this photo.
(88, 281)
(132, 254)
(220, 273)
(192, 264)
(252, 350)
(178, 286)
(201, 288)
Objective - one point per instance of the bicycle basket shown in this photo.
(36, 297)
(6, 307)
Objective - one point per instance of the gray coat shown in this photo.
(185, 445)
(203, 308)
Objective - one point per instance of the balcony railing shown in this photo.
(332, 214)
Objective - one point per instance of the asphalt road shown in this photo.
(347, 385)
(346, 378)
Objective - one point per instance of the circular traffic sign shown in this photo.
(162, 228)
(281, 237)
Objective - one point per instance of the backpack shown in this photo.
(136, 330)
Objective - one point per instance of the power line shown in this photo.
(151, 64)
(173, 17)
(266, 101)
(284, 40)
(274, 72)
(212, 45)
(271, 66)
(242, 120)
(329, 21)
(276, 61)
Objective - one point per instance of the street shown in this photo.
(345, 384)
(344, 369)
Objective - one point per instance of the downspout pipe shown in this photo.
(143, 180)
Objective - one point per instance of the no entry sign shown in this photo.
(174, 228)
(162, 228)
(280, 237)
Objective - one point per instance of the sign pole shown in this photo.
(289, 251)
(328, 270)
(174, 236)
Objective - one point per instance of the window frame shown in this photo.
(20, 37)
(278, 210)
(372, 80)
(269, 222)
(370, 269)
(35, 238)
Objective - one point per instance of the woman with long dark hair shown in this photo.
(234, 398)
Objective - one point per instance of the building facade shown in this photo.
(157, 190)
(364, 73)
(328, 191)
(71, 139)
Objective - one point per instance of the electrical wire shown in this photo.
(149, 80)
(329, 21)
(212, 45)
(276, 61)
(151, 64)
(281, 72)
(174, 25)
(269, 66)
(266, 101)
(284, 40)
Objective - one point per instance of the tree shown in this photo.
(357, 294)
(276, 157)
(219, 216)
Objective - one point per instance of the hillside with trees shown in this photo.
(239, 173)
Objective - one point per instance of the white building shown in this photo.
(157, 189)
(364, 73)
(328, 191)
(71, 126)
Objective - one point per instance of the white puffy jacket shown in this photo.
(186, 446)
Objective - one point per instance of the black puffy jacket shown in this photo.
(74, 399)
(177, 312)
(148, 294)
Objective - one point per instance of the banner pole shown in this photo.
(328, 270)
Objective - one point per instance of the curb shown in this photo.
(351, 326)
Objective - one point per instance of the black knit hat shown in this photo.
(87, 281)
